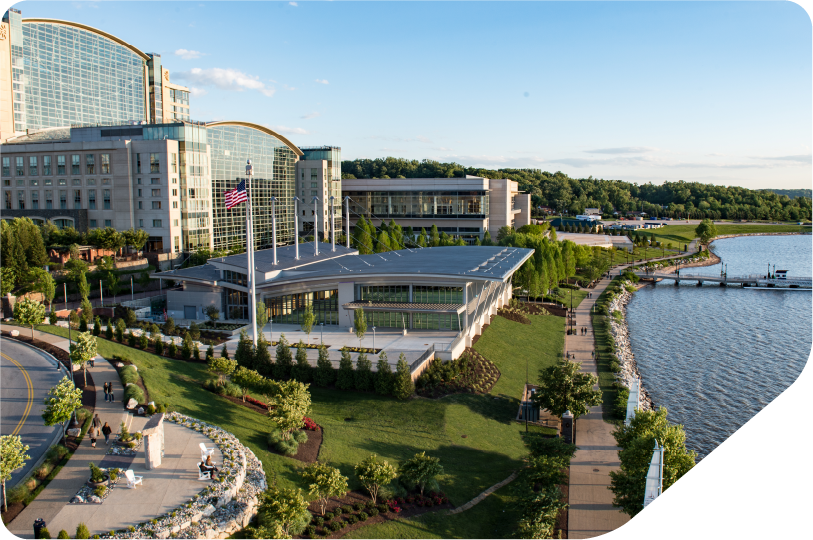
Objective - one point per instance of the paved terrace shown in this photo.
(163, 489)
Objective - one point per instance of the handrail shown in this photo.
(421, 359)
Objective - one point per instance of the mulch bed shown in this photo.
(352, 497)
(561, 523)
(307, 452)
(139, 383)
(553, 309)
(484, 372)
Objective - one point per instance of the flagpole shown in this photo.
(252, 298)
(296, 228)
(316, 226)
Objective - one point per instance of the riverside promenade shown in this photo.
(591, 512)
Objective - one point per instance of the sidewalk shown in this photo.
(591, 512)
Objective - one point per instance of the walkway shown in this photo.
(175, 482)
(591, 512)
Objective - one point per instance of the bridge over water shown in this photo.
(752, 280)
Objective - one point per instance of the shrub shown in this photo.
(63, 534)
(99, 491)
(129, 375)
(351, 519)
(337, 511)
(363, 516)
(150, 409)
(52, 318)
(44, 533)
(310, 530)
(347, 509)
(96, 474)
(319, 521)
(373, 512)
(143, 341)
(300, 437)
(135, 392)
(44, 470)
(358, 505)
(172, 350)
(131, 339)
(288, 447)
(328, 516)
(232, 390)
(18, 493)
(56, 453)
(324, 375)
(82, 531)
(383, 508)
(335, 526)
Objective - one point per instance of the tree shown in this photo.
(706, 231)
(212, 313)
(108, 330)
(12, 457)
(29, 312)
(364, 373)
(82, 351)
(434, 238)
(222, 367)
(383, 375)
(224, 352)
(307, 320)
(246, 379)
(282, 513)
(402, 386)
(284, 360)
(186, 348)
(113, 283)
(61, 401)
(120, 328)
(43, 284)
(374, 473)
(8, 279)
(301, 371)
(637, 442)
(135, 238)
(383, 242)
(324, 482)
(288, 406)
(487, 238)
(244, 355)
(539, 512)
(73, 319)
(262, 315)
(359, 324)
(562, 388)
(325, 375)
(144, 279)
(87, 308)
(169, 326)
(97, 326)
(420, 470)
(82, 284)
(262, 358)
(210, 352)
(361, 237)
(344, 378)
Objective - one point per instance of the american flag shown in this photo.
(236, 196)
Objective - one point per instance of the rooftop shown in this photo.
(59, 134)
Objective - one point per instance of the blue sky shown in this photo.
(716, 92)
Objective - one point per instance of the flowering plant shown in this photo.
(256, 402)
(310, 425)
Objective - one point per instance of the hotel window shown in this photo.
(138, 163)
(33, 168)
(21, 182)
(35, 200)
(60, 165)
(106, 198)
(175, 222)
(174, 192)
(33, 182)
(139, 192)
(174, 204)
(140, 207)
(138, 181)
(93, 223)
(155, 162)
(155, 181)
(92, 199)
(46, 165)
(313, 184)
(91, 181)
(105, 181)
(108, 223)
(177, 244)
(77, 199)
(90, 162)
(174, 180)
(49, 200)
(156, 223)
(141, 223)
(105, 163)
(76, 164)
(63, 200)
(20, 167)
(6, 166)
(156, 192)
(8, 199)
(76, 182)
(63, 182)
(156, 205)
(174, 162)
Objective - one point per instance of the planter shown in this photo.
(125, 444)
(94, 485)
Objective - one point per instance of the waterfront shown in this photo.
(716, 356)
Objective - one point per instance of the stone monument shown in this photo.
(153, 433)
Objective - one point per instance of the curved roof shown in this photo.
(258, 127)
(89, 29)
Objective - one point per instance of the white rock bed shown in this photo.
(623, 349)
(221, 509)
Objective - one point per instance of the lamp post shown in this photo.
(65, 292)
(373, 339)
(132, 298)
(321, 333)
(101, 294)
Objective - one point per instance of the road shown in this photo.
(26, 375)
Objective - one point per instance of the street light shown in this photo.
(321, 334)
(373, 339)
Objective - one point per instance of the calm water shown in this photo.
(716, 356)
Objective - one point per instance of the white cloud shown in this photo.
(285, 130)
(419, 138)
(197, 92)
(225, 79)
(801, 158)
(621, 150)
(322, 81)
(188, 54)
(293, 4)
(311, 115)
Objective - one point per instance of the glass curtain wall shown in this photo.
(75, 76)
(274, 168)
(423, 294)
(418, 204)
(290, 308)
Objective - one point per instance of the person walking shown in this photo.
(106, 388)
(93, 432)
(97, 422)
(106, 431)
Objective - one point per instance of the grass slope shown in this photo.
(685, 233)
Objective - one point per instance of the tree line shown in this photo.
(559, 191)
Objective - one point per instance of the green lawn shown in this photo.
(358, 424)
(685, 233)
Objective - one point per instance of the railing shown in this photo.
(422, 358)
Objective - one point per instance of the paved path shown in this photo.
(591, 512)
(484, 494)
(26, 375)
(175, 482)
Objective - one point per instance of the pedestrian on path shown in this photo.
(97, 422)
(106, 431)
(106, 390)
(93, 433)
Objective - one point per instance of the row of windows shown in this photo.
(421, 294)
(419, 321)
(155, 163)
(46, 164)
(236, 278)
(34, 182)
(290, 309)
(418, 203)
(65, 200)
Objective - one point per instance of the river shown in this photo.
(715, 356)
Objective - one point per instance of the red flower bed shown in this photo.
(256, 402)
(310, 425)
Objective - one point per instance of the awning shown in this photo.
(406, 307)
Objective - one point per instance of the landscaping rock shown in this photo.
(175, 529)
(209, 510)
(94, 499)
(15, 333)
(119, 364)
(77, 500)
(128, 384)
(73, 432)
(163, 533)
(131, 404)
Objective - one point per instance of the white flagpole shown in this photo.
(296, 228)
(316, 226)
(252, 298)
(332, 226)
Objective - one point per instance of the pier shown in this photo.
(752, 280)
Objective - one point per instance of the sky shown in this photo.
(714, 92)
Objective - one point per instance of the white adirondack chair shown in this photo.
(132, 479)
(205, 452)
